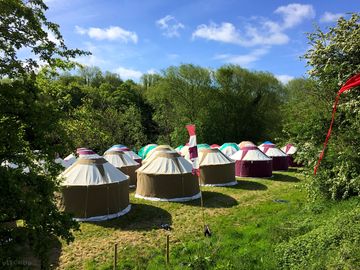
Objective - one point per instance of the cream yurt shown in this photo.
(280, 159)
(251, 162)
(127, 151)
(123, 162)
(216, 169)
(167, 177)
(153, 152)
(93, 189)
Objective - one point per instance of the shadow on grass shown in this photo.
(283, 178)
(249, 185)
(295, 169)
(142, 217)
(214, 200)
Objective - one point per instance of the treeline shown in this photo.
(230, 104)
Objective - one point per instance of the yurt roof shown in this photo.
(233, 145)
(178, 149)
(167, 162)
(246, 143)
(145, 150)
(214, 146)
(250, 153)
(91, 169)
(156, 150)
(271, 150)
(214, 156)
(229, 148)
(119, 158)
(203, 145)
(289, 149)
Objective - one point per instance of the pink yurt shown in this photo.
(251, 162)
(291, 150)
(280, 159)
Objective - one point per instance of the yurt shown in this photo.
(229, 148)
(216, 169)
(124, 163)
(69, 160)
(145, 150)
(184, 150)
(178, 149)
(167, 177)
(203, 145)
(153, 152)
(246, 143)
(127, 151)
(214, 146)
(290, 150)
(280, 159)
(251, 162)
(93, 189)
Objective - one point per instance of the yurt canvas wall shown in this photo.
(94, 190)
(167, 177)
(216, 169)
(251, 162)
(280, 159)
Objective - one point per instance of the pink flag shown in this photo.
(193, 149)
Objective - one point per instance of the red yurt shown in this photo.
(251, 162)
(280, 159)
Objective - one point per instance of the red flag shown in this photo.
(193, 149)
(352, 82)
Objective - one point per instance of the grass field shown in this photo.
(244, 220)
(247, 222)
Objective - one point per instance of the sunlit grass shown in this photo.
(244, 220)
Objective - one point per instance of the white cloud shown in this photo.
(328, 17)
(170, 26)
(244, 59)
(294, 14)
(266, 34)
(126, 73)
(173, 56)
(262, 32)
(110, 33)
(284, 78)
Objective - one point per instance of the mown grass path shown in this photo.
(246, 221)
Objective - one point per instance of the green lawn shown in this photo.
(247, 222)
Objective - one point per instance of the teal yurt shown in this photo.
(203, 146)
(146, 149)
(229, 148)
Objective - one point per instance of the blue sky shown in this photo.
(133, 37)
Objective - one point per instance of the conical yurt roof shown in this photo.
(203, 145)
(166, 162)
(156, 150)
(119, 158)
(145, 150)
(208, 157)
(250, 153)
(125, 149)
(229, 148)
(271, 150)
(178, 149)
(214, 146)
(289, 149)
(91, 169)
(246, 143)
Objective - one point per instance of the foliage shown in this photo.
(333, 245)
(229, 104)
(25, 27)
(333, 58)
(27, 192)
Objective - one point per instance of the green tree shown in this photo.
(334, 56)
(29, 131)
